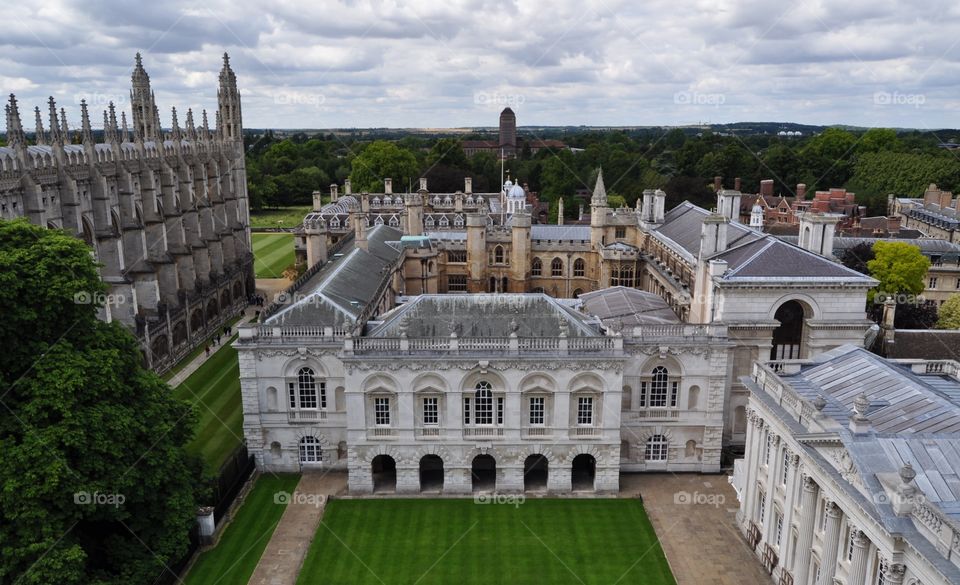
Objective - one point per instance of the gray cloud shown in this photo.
(421, 63)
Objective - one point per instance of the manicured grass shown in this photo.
(215, 389)
(288, 216)
(542, 541)
(272, 254)
(235, 557)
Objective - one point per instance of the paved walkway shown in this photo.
(283, 557)
(202, 357)
(695, 519)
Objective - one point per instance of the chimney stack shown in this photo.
(713, 235)
(801, 191)
(766, 187)
(317, 200)
(333, 192)
(388, 186)
(816, 232)
(347, 190)
(717, 183)
(423, 183)
(560, 211)
(736, 184)
(468, 185)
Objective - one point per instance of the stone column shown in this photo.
(771, 486)
(752, 463)
(831, 541)
(858, 566)
(895, 573)
(808, 516)
(790, 497)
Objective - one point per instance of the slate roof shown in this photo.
(484, 315)
(926, 245)
(752, 254)
(933, 344)
(900, 401)
(344, 287)
(575, 233)
(627, 307)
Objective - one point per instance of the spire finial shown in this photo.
(85, 132)
(191, 128)
(41, 137)
(124, 133)
(599, 191)
(139, 60)
(64, 129)
(55, 137)
(175, 126)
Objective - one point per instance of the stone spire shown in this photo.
(64, 128)
(124, 132)
(41, 137)
(15, 135)
(55, 137)
(86, 133)
(191, 128)
(205, 127)
(219, 130)
(110, 124)
(175, 127)
(599, 192)
(228, 104)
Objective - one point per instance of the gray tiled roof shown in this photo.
(683, 223)
(346, 285)
(560, 232)
(484, 315)
(628, 307)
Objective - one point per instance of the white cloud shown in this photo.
(424, 63)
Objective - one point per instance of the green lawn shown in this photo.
(236, 555)
(541, 541)
(272, 253)
(215, 389)
(288, 216)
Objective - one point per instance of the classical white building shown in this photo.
(852, 472)
(375, 362)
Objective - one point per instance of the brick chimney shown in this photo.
(801, 190)
(766, 187)
(717, 183)
(736, 184)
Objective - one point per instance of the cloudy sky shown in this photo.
(424, 63)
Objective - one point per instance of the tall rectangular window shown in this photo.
(620, 232)
(786, 467)
(381, 411)
(761, 504)
(674, 391)
(779, 525)
(536, 410)
(292, 393)
(768, 449)
(466, 411)
(643, 395)
(585, 410)
(500, 410)
(431, 411)
(322, 387)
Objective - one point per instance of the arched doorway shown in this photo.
(384, 470)
(483, 471)
(788, 337)
(583, 473)
(431, 473)
(535, 472)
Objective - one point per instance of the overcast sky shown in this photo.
(430, 63)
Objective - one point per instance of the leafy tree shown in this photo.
(447, 152)
(83, 422)
(878, 140)
(380, 160)
(950, 313)
(900, 268)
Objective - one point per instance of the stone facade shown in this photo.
(166, 213)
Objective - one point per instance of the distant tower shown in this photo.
(228, 103)
(508, 133)
(756, 215)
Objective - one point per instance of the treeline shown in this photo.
(683, 162)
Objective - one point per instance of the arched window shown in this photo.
(498, 255)
(556, 267)
(484, 403)
(310, 451)
(307, 392)
(536, 267)
(658, 386)
(578, 267)
(656, 448)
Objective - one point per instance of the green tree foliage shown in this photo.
(900, 268)
(380, 160)
(97, 485)
(883, 172)
(950, 313)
